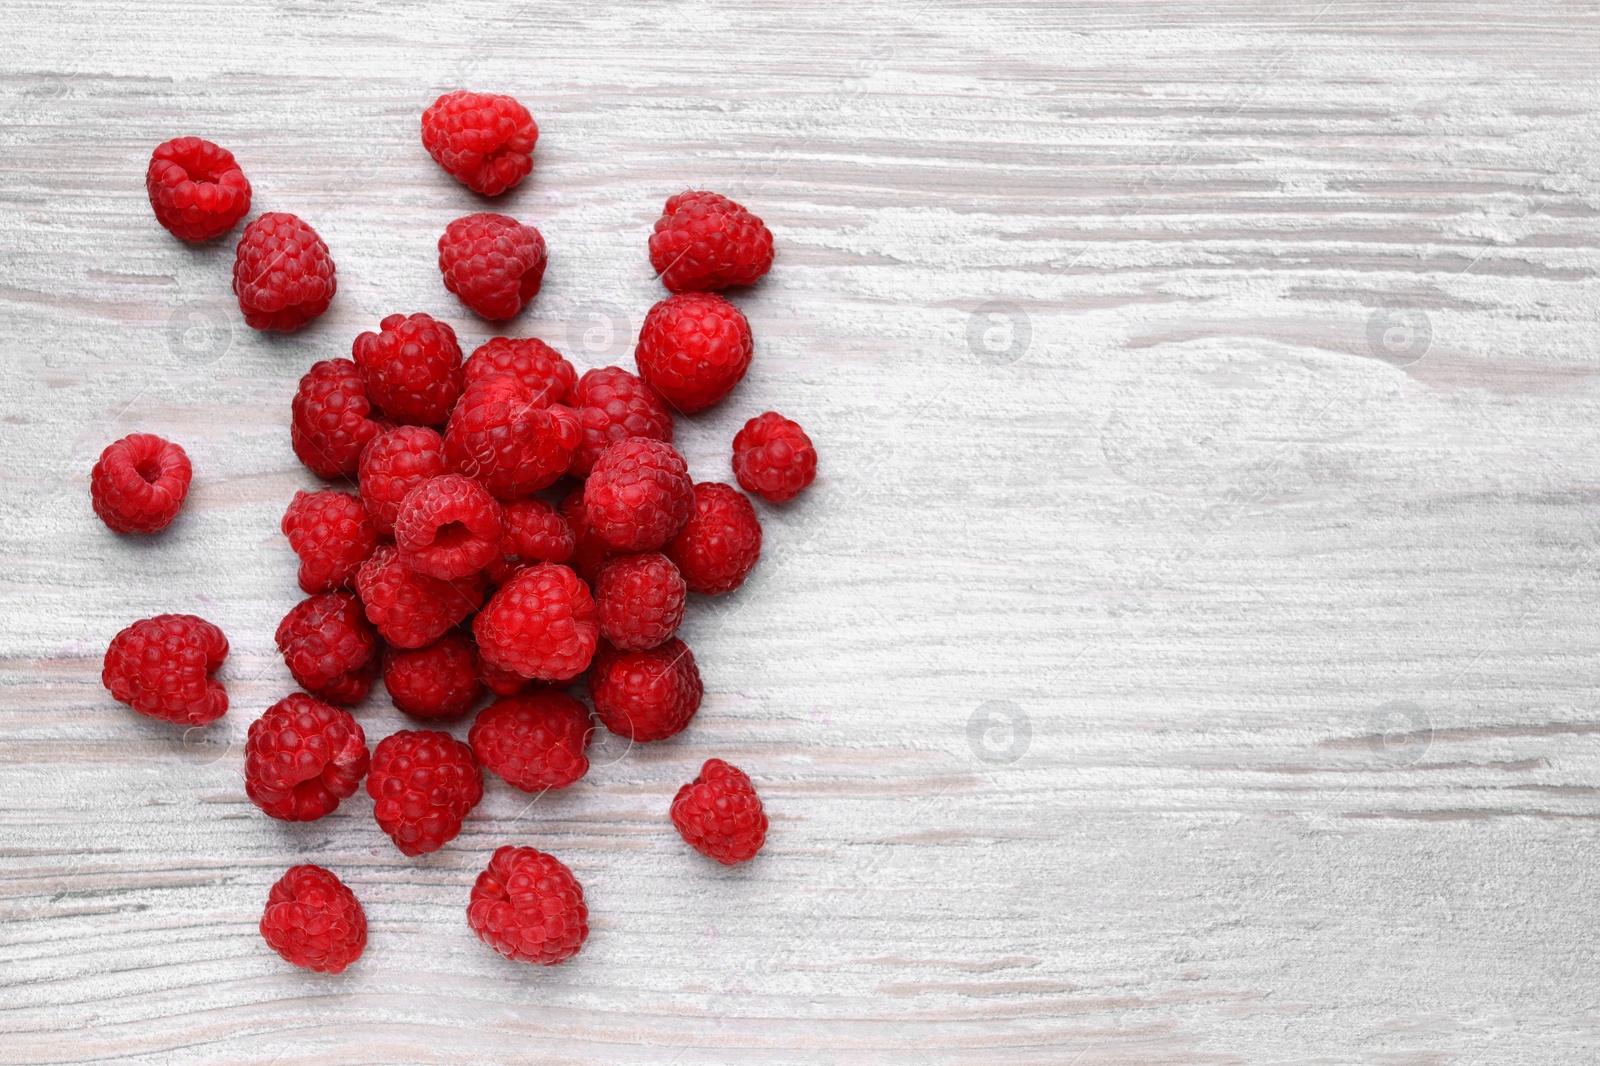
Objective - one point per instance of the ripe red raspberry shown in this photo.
(332, 534)
(483, 141)
(423, 783)
(639, 600)
(535, 741)
(694, 348)
(544, 370)
(282, 273)
(540, 624)
(330, 647)
(589, 552)
(614, 405)
(314, 921)
(392, 465)
(492, 263)
(646, 695)
(162, 667)
(412, 609)
(705, 242)
(532, 532)
(439, 681)
(139, 484)
(331, 419)
(448, 527)
(719, 814)
(638, 494)
(302, 757)
(720, 543)
(197, 190)
(529, 907)
(501, 682)
(498, 435)
(411, 368)
(773, 458)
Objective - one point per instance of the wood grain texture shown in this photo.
(1262, 504)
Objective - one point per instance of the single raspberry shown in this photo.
(392, 465)
(330, 647)
(646, 695)
(302, 757)
(448, 527)
(411, 609)
(529, 907)
(282, 273)
(423, 783)
(773, 458)
(720, 543)
(704, 242)
(532, 532)
(501, 682)
(162, 667)
(331, 419)
(314, 921)
(694, 348)
(492, 263)
(411, 368)
(332, 534)
(140, 483)
(483, 141)
(540, 624)
(638, 494)
(544, 370)
(197, 190)
(614, 405)
(438, 681)
(719, 814)
(535, 741)
(639, 600)
(498, 435)
(589, 552)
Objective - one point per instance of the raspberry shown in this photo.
(535, 741)
(532, 532)
(331, 419)
(498, 435)
(392, 465)
(438, 681)
(302, 757)
(614, 405)
(332, 535)
(646, 695)
(448, 527)
(140, 483)
(589, 552)
(706, 242)
(330, 647)
(314, 921)
(529, 907)
(719, 814)
(423, 783)
(638, 494)
(544, 370)
(411, 609)
(197, 190)
(501, 682)
(638, 600)
(540, 624)
(162, 667)
(693, 348)
(483, 141)
(720, 543)
(773, 458)
(282, 273)
(492, 263)
(411, 368)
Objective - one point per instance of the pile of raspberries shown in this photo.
(515, 527)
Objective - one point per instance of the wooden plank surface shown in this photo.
(1187, 654)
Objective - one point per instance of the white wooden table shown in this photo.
(1187, 655)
